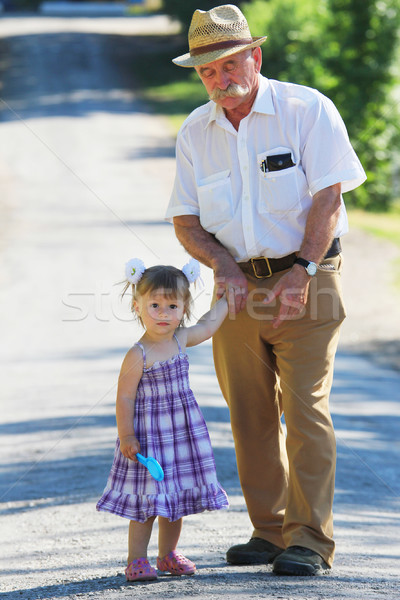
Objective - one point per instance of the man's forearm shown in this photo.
(321, 224)
(200, 244)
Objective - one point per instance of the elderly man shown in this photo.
(257, 198)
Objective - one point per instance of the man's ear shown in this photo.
(257, 55)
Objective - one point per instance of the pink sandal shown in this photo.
(176, 564)
(140, 570)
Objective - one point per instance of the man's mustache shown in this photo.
(234, 90)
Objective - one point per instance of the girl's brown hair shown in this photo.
(171, 280)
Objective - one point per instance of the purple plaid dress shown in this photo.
(170, 427)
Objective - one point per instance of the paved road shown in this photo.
(85, 173)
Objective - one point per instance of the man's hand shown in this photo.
(230, 280)
(202, 245)
(292, 291)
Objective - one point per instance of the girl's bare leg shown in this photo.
(139, 537)
(168, 535)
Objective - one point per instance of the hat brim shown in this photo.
(186, 60)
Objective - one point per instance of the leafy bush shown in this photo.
(346, 49)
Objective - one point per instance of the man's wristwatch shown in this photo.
(309, 266)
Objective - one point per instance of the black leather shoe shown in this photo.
(256, 552)
(297, 560)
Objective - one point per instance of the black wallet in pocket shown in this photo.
(278, 162)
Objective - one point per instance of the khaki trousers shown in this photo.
(287, 480)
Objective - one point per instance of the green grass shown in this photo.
(176, 99)
(383, 225)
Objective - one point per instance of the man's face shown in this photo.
(231, 81)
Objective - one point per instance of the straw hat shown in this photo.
(216, 33)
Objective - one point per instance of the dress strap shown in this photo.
(179, 346)
(144, 353)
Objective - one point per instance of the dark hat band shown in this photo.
(220, 46)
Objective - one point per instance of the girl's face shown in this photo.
(159, 313)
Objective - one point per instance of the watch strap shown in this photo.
(302, 261)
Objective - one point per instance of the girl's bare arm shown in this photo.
(208, 324)
(129, 377)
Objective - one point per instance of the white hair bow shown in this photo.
(134, 270)
(192, 270)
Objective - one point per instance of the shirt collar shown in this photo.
(262, 104)
(213, 112)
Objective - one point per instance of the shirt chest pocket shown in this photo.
(215, 201)
(278, 185)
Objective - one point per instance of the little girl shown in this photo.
(158, 416)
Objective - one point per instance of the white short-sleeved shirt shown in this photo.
(224, 176)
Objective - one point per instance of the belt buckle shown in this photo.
(253, 264)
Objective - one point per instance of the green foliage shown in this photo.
(347, 50)
(362, 42)
(293, 28)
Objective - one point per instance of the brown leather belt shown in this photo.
(263, 267)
